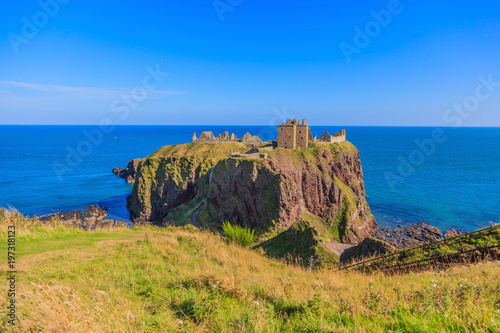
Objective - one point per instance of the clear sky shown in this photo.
(248, 62)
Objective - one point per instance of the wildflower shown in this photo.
(179, 321)
(371, 280)
(446, 316)
(214, 286)
(256, 302)
(434, 285)
(497, 311)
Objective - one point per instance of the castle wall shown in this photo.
(287, 136)
(337, 138)
(302, 133)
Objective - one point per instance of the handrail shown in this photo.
(444, 256)
(465, 236)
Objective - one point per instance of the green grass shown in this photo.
(300, 244)
(178, 279)
(238, 235)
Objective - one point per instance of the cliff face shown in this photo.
(322, 183)
(325, 181)
(172, 176)
(129, 172)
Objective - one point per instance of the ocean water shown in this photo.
(446, 177)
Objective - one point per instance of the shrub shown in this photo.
(238, 235)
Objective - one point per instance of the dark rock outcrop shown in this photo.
(450, 233)
(129, 172)
(92, 217)
(369, 247)
(414, 235)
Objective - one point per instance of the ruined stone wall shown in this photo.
(302, 136)
(337, 138)
(287, 136)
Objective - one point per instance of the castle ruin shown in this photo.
(293, 135)
(338, 137)
(247, 139)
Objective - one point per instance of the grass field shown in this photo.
(183, 280)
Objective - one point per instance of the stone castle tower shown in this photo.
(293, 135)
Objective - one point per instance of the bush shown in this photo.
(238, 235)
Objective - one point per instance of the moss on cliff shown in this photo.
(172, 176)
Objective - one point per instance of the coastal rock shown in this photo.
(73, 217)
(431, 234)
(92, 217)
(412, 236)
(369, 247)
(325, 181)
(450, 233)
(129, 172)
(90, 214)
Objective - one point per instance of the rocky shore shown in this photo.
(92, 217)
(414, 235)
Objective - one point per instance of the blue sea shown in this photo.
(443, 176)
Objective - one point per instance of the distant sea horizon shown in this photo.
(447, 177)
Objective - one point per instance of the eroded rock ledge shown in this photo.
(129, 172)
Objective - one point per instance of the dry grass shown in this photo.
(179, 279)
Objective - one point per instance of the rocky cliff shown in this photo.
(129, 172)
(322, 184)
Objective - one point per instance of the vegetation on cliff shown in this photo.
(172, 176)
(320, 189)
(150, 279)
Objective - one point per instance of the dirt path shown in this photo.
(338, 248)
(194, 217)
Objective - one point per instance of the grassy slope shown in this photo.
(178, 279)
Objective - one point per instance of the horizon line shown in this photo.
(156, 125)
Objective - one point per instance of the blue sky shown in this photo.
(245, 62)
